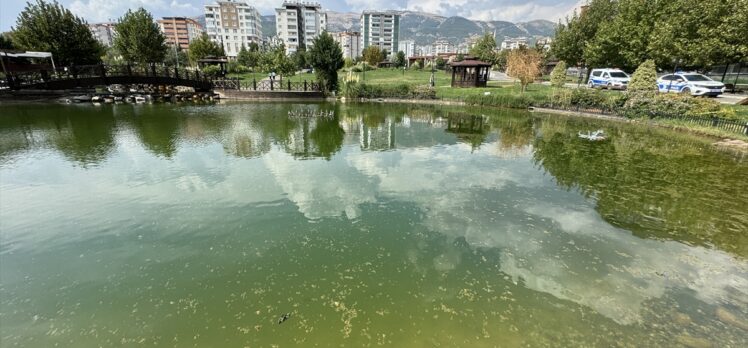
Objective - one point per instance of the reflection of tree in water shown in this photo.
(471, 129)
(515, 132)
(84, 135)
(654, 183)
(158, 133)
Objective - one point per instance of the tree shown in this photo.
(49, 27)
(176, 57)
(524, 65)
(400, 59)
(138, 38)
(485, 49)
(299, 58)
(327, 58)
(624, 42)
(5, 42)
(572, 38)
(644, 80)
(440, 63)
(372, 55)
(203, 47)
(558, 75)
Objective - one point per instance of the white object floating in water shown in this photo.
(593, 136)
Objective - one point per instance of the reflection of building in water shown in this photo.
(373, 133)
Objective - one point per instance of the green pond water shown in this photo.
(383, 225)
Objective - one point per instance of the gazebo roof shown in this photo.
(470, 63)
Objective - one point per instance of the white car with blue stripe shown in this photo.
(608, 78)
(690, 83)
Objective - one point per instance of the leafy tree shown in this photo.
(440, 63)
(558, 75)
(501, 60)
(327, 58)
(372, 55)
(624, 42)
(348, 63)
(112, 57)
(400, 59)
(5, 42)
(212, 70)
(299, 58)
(139, 39)
(385, 54)
(572, 37)
(203, 47)
(524, 65)
(644, 80)
(49, 27)
(485, 49)
(460, 57)
(254, 47)
(176, 57)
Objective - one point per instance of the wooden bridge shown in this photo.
(89, 76)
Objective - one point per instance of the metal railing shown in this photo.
(267, 85)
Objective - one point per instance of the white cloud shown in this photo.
(110, 10)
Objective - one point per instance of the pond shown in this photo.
(369, 224)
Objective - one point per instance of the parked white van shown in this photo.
(608, 78)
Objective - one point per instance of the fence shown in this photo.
(733, 126)
(267, 85)
(17, 80)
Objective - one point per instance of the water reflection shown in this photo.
(474, 204)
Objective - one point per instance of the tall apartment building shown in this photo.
(180, 30)
(381, 29)
(233, 23)
(103, 32)
(350, 43)
(298, 23)
(442, 46)
(408, 47)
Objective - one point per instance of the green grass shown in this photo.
(741, 111)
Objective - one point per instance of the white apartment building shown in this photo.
(442, 46)
(233, 23)
(513, 43)
(103, 32)
(298, 23)
(381, 29)
(408, 47)
(350, 43)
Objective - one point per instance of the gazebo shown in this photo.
(470, 73)
(211, 60)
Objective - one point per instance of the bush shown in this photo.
(673, 105)
(521, 101)
(236, 68)
(644, 79)
(211, 70)
(558, 75)
(403, 91)
(588, 98)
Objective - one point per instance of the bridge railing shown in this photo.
(21, 79)
(267, 85)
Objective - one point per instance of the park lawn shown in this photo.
(741, 111)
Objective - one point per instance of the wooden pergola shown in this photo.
(470, 73)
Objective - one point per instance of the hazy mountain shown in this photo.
(425, 28)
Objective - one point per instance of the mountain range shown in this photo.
(425, 28)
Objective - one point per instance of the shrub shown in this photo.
(673, 105)
(211, 70)
(236, 68)
(521, 101)
(644, 79)
(404, 91)
(588, 98)
(558, 75)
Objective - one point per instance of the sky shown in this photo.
(508, 10)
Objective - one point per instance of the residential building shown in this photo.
(442, 46)
(180, 30)
(544, 43)
(350, 43)
(103, 32)
(298, 23)
(233, 23)
(381, 29)
(513, 43)
(408, 47)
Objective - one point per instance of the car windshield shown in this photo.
(696, 77)
(618, 74)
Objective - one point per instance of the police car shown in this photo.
(608, 78)
(690, 83)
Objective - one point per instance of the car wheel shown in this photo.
(589, 85)
(609, 86)
(686, 91)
